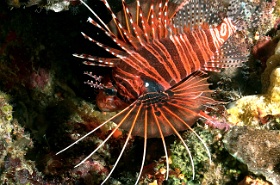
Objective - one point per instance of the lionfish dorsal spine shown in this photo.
(135, 28)
(125, 34)
(118, 41)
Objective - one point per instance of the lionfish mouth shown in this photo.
(167, 47)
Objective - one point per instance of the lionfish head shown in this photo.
(158, 81)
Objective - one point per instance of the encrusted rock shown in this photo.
(249, 181)
(259, 149)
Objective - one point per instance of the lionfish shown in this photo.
(166, 47)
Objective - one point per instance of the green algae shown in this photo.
(224, 169)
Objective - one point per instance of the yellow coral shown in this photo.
(274, 89)
(250, 109)
(153, 183)
(272, 63)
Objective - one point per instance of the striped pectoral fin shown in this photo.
(233, 53)
(155, 115)
(159, 114)
(176, 108)
(188, 98)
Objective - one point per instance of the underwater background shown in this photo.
(45, 106)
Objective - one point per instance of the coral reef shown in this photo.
(54, 5)
(46, 107)
(272, 63)
(224, 169)
(45, 113)
(257, 145)
(254, 109)
(258, 149)
(14, 143)
(24, 162)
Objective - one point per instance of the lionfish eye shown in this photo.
(152, 86)
(110, 91)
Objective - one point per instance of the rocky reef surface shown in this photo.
(258, 149)
(251, 110)
(255, 139)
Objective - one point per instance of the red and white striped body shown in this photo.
(167, 61)
(161, 49)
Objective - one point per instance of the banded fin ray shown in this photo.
(160, 117)
(165, 113)
(162, 10)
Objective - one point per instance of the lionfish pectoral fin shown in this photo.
(123, 116)
(159, 114)
(233, 53)
(187, 100)
(182, 108)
